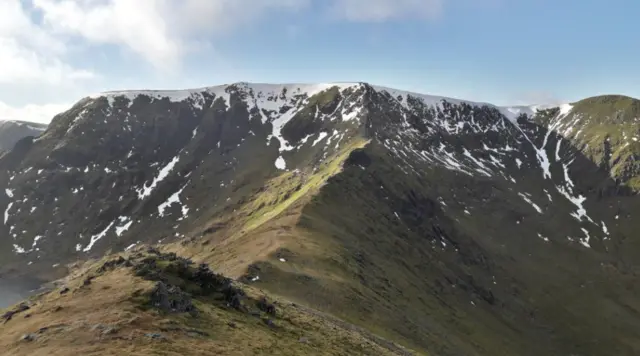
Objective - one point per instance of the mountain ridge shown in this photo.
(448, 227)
(271, 86)
(530, 107)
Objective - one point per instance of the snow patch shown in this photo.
(97, 237)
(585, 240)
(174, 198)
(6, 213)
(125, 224)
(483, 169)
(605, 229)
(321, 136)
(565, 109)
(164, 172)
(35, 242)
(534, 205)
(130, 246)
(19, 250)
(281, 163)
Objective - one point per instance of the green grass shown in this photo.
(387, 274)
(604, 132)
(288, 188)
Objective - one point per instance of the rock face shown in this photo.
(451, 226)
(13, 131)
(145, 166)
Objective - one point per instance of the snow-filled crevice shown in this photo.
(174, 199)
(145, 191)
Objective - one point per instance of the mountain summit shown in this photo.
(448, 226)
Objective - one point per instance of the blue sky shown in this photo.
(498, 51)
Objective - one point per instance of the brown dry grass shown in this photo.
(112, 299)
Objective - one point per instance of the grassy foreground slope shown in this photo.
(152, 303)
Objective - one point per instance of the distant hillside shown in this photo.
(13, 131)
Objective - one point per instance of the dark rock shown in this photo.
(155, 336)
(147, 268)
(87, 281)
(235, 302)
(171, 299)
(8, 315)
(265, 306)
(269, 323)
(64, 290)
(44, 329)
(29, 337)
(213, 228)
(118, 262)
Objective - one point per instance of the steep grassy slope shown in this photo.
(474, 249)
(457, 283)
(607, 130)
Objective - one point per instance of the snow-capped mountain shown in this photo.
(436, 215)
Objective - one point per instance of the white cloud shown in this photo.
(21, 64)
(30, 54)
(46, 44)
(137, 25)
(33, 113)
(159, 31)
(384, 10)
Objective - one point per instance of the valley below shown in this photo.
(13, 291)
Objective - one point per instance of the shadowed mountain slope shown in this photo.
(12, 131)
(451, 227)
